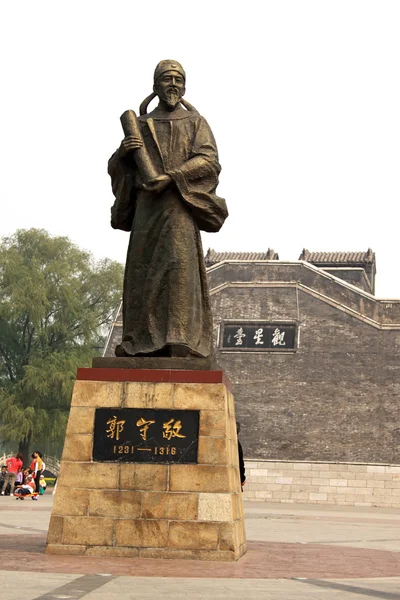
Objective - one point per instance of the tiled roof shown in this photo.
(212, 257)
(320, 258)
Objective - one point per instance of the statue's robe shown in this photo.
(165, 301)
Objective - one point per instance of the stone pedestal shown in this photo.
(150, 510)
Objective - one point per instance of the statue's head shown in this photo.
(169, 82)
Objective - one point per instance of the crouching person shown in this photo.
(28, 487)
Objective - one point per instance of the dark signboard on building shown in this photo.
(258, 336)
(145, 435)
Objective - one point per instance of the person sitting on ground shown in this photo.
(14, 465)
(28, 487)
(26, 472)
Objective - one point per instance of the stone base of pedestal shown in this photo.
(150, 510)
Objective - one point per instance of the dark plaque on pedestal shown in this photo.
(145, 435)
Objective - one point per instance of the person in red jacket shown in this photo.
(14, 465)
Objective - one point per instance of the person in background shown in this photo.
(3, 474)
(19, 478)
(14, 465)
(37, 468)
(25, 474)
(241, 460)
(28, 487)
(43, 485)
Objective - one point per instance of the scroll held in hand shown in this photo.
(130, 125)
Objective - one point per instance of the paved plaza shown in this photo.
(295, 552)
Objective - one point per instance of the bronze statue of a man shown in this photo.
(166, 307)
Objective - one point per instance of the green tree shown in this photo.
(56, 304)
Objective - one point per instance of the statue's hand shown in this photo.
(131, 142)
(157, 185)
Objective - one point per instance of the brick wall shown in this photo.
(336, 397)
(348, 484)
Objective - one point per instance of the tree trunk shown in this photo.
(23, 448)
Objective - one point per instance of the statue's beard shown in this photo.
(172, 97)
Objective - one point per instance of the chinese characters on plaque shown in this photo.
(146, 435)
(259, 336)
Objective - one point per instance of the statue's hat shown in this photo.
(168, 65)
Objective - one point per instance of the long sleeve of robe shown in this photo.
(165, 300)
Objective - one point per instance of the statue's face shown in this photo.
(170, 87)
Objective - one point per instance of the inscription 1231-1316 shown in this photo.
(145, 435)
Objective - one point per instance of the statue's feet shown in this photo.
(175, 350)
(170, 350)
(120, 351)
(181, 351)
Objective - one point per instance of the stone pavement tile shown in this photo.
(124, 588)
(48, 586)
(12, 504)
(28, 586)
(79, 588)
(127, 588)
(20, 544)
(392, 545)
(32, 516)
(382, 584)
(19, 529)
(381, 535)
(385, 589)
(253, 508)
(263, 560)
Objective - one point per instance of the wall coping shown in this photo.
(310, 267)
(320, 462)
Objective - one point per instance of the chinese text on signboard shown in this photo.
(146, 435)
(259, 336)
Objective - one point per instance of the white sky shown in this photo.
(303, 98)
